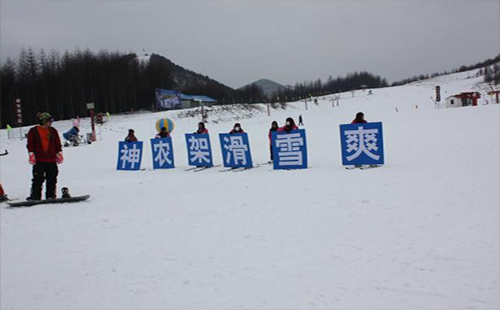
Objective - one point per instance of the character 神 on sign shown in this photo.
(129, 155)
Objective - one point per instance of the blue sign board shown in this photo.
(199, 150)
(235, 150)
(168, 99)
(362, 144)
(163, 153)
(129, 155)
(289, 149)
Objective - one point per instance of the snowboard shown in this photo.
(30, 203)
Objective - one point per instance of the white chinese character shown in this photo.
(162, 150)
(131, 156)
(198, 149)
(289, 149)
(361, 141)
(236, 148)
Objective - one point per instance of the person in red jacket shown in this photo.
(45, 152)
(3, 195)
(201, 128)
(360, 119)
(289, 125)
(237, 129)
(163, 133)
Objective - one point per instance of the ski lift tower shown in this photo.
(91, 107)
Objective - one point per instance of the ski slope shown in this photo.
(421, 232)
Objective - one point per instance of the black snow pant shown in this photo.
(44, 171)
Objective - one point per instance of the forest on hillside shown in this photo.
(63, 83)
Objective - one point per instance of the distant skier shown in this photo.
(131, 136)
(201, 128)
(45, 153)
(274, 127)
(237, 129)
(289, 125)
(300, 121)
(360, 119)
(163, 133)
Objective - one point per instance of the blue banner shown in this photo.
(129, 155)
(199, 150)
(289, 149)
(362, 144)
(163, 153)
(235, 150)
(168, 99)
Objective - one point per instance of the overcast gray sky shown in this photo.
(237, 42)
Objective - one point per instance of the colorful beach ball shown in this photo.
(165, 122)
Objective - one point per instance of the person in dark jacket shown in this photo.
(360, 119)
(289, 125)
(163, 133)
(201, 128)
(274, 127)
(45, 153)
(237, 129)
(131, 136)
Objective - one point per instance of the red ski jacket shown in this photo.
(35, 145)
(287, 128)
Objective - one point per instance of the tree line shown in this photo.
(489, 68)
(116, 82)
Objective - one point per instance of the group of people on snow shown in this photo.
(45, 151)
(289, 126)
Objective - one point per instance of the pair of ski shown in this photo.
(198, 169)
(238, 169)
(363, 167)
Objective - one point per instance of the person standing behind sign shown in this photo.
(163, 133)
(201, 128)
(274, 127)
(360, 119)
(289, 125)
(131, 136)
(237, 129)
(45, 152)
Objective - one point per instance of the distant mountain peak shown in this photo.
(268, 86)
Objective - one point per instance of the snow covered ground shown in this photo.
(422, 232)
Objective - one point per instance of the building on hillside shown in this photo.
(173, 99)
(494, 96)
(463, 99)
(193, 101)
